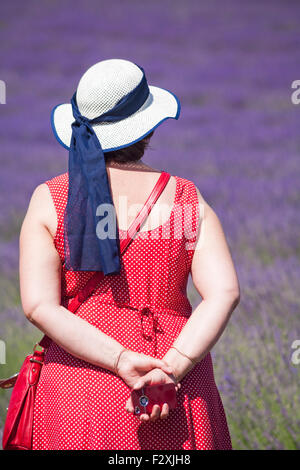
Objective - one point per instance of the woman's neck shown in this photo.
(139, 165)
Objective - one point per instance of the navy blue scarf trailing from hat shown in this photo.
(89, 188)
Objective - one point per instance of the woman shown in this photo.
(137, 327)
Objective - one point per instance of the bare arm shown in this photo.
(40, 285)
(215, 279)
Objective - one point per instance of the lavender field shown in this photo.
(231, 64)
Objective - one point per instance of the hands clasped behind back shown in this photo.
(138, 370)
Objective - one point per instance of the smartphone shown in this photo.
(145, 398)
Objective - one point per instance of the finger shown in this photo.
(144, 417)
(154, 362)
(164, 366)
(138, 385)
(142, 381)
(164, 411)
(155, 413)
(129, 405)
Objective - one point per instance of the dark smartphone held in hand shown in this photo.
(145, 398)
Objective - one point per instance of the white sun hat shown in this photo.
(99, 89)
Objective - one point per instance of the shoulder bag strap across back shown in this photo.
(92, 283)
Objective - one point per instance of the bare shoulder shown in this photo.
(212, 267)
(206, 210)
(210, 226)
(41, 199)
(41, 208)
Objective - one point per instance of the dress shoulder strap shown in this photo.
(58, 187)
(190, 213)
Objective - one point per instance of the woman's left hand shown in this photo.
(153, 377)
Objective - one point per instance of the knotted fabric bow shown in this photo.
(89, 188)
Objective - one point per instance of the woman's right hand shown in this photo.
(133, 365)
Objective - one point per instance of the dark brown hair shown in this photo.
(132, 153)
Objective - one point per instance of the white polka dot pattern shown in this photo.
(145, 307)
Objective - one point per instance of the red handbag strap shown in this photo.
(92, 283)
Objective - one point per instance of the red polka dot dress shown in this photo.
(145, 307)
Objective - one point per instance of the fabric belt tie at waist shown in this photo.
(150, 326)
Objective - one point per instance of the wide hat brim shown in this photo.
(160, 105)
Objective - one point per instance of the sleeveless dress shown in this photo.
(80, 406)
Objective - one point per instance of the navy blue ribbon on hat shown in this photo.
(89, 188)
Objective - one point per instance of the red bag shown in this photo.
(17, 434)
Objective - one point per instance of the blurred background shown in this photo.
(231, 64)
